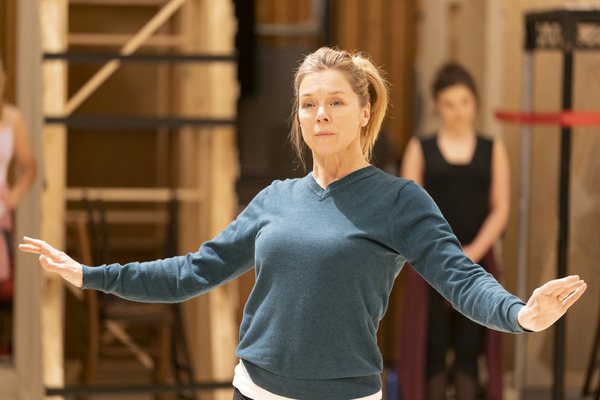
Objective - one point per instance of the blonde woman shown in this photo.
(326, 249)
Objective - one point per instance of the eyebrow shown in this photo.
(335, 92)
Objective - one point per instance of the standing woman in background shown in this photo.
(468, 177)
(14, 145)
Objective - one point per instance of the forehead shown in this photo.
(455, 92)
(327, 81)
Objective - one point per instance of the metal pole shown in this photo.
(563, 232)
(523, 208)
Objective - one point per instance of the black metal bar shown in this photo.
(135, 389)
(568, 20)
(563, 232)
(593, 364)
(88, 57)
(129, 122)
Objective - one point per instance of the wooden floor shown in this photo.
(130, 372)
(119, 372)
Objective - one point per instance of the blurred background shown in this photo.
(154, 122)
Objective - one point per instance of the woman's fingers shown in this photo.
(563, 288)
(575, 294)
(555, 286)
(44, 262)
(32, 245)
(54, 260)
(37, 246)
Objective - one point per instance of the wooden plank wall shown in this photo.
(7, 46)
(386, 29)
(283, 13)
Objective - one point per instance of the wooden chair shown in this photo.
(109, 317)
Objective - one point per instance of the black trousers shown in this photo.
(238, 396)
(446, 324)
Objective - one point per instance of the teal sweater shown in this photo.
(325, 263)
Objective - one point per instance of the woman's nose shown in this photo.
(322, 115)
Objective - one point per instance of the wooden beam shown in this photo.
(141, 195)
(105, 39)
(221, 25)
(54, 39)
(208, 160)
(28, 282)
(119, 2)
(109, 68)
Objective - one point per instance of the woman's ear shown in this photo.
(366, 115)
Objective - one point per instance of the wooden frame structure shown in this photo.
(206, 172)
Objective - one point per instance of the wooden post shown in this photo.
(28, 280)
(54, 39)
(208, 161)
(220, 25)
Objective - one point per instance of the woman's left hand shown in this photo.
(7, 197)
(549, 302)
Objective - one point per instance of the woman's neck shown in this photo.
(457, 132)
(331, 169)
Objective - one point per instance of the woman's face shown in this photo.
(330, 114)
(457, 106)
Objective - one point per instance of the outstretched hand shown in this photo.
(549, 302)
(54, 260)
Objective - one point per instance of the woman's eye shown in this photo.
(337, 103)
(307, 105)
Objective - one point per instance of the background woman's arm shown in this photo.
(496, 221)
(413, 163)
(25, 161)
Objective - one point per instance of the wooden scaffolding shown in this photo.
(191, 126)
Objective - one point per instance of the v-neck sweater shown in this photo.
(325, 262)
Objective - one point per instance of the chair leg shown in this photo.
(91, 359)
(163, 365)
(183, 370)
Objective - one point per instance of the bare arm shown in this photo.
(496, 221)
(413, 163)
(25, 161)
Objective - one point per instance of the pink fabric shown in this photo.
(410, 358)
(6, 154)
(5, 270)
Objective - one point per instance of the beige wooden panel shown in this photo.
(224, 169)
(54, 39)
(209, 162)
(28, 359)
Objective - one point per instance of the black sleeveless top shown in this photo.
(461, 191)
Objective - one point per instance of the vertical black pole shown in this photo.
(563, 233)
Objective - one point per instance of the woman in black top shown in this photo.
(468, 177)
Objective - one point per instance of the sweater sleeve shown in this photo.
(227, 256)
(429, 245)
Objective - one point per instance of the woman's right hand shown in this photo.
(54, 260)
